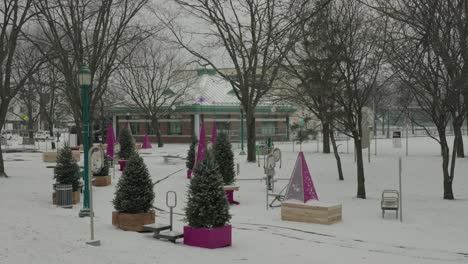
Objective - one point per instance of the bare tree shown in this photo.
(153, 80)
(357, 34)
(314, 64)
(426, 52)
(48, 84)
(443, 27)
(255, 36)
(28, 98)
(14, 15)
(87, 32)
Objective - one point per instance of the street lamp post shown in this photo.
(84, 77)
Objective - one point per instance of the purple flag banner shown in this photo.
(110, 141)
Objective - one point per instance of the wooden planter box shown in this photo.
(208, 237)
(102, 181)
(317, 212)
(75, 197)
(52, 156)
(132, 222)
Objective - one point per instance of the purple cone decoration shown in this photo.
(110, 141)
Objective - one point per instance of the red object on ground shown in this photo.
(123, 164)
(230, 197)
(189, 174)
(208, 237)
(75, 148)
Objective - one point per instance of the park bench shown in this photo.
(169, 158)
(163, 231)
(390, 201)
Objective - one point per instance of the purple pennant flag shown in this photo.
(201, 145)
(214, 133)
(146, 142)
(110, 141)
(308, 184)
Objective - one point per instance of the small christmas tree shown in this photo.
(127, 145)
(105, 169)
(224, 158)
(207, 206)
(134, 193)
(67, 170)
(191, 155)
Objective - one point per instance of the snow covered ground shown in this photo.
(32, 230)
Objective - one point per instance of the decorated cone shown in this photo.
(301, 187)
(146, 142)
(110, 141)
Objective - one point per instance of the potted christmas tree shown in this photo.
(191, 158)
(207, 210)
(127, 147)
(134, 197)
(222, 151)
(102, 178)
(67, 172)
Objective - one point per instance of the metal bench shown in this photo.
(390, 201)
(165, 231)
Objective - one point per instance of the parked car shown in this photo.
(6, 134)
(42, 136)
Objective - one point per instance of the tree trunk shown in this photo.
(79, 132)
(30, 123)
(51, 133)
(2, 165)
(448, 192)
(3, 112)
(361, 188)
(155, 127)
(250, 124)
(326, 136)
(103, 125)
(459, 139)
(337, 156)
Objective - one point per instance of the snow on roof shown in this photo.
(211, 89)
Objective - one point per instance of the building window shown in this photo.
(175, 128)
(269, 128)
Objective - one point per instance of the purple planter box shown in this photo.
(230, 197)
(123, 164)
(208, 237)
(189, 174)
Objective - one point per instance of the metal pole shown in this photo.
(266, 188)
(375, 130)
(91, 208)
(407, 138)
(401, 194)
(170, 217)
(242, 132)
(84, 93)
(368, 153)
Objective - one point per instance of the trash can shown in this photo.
(64, 194)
